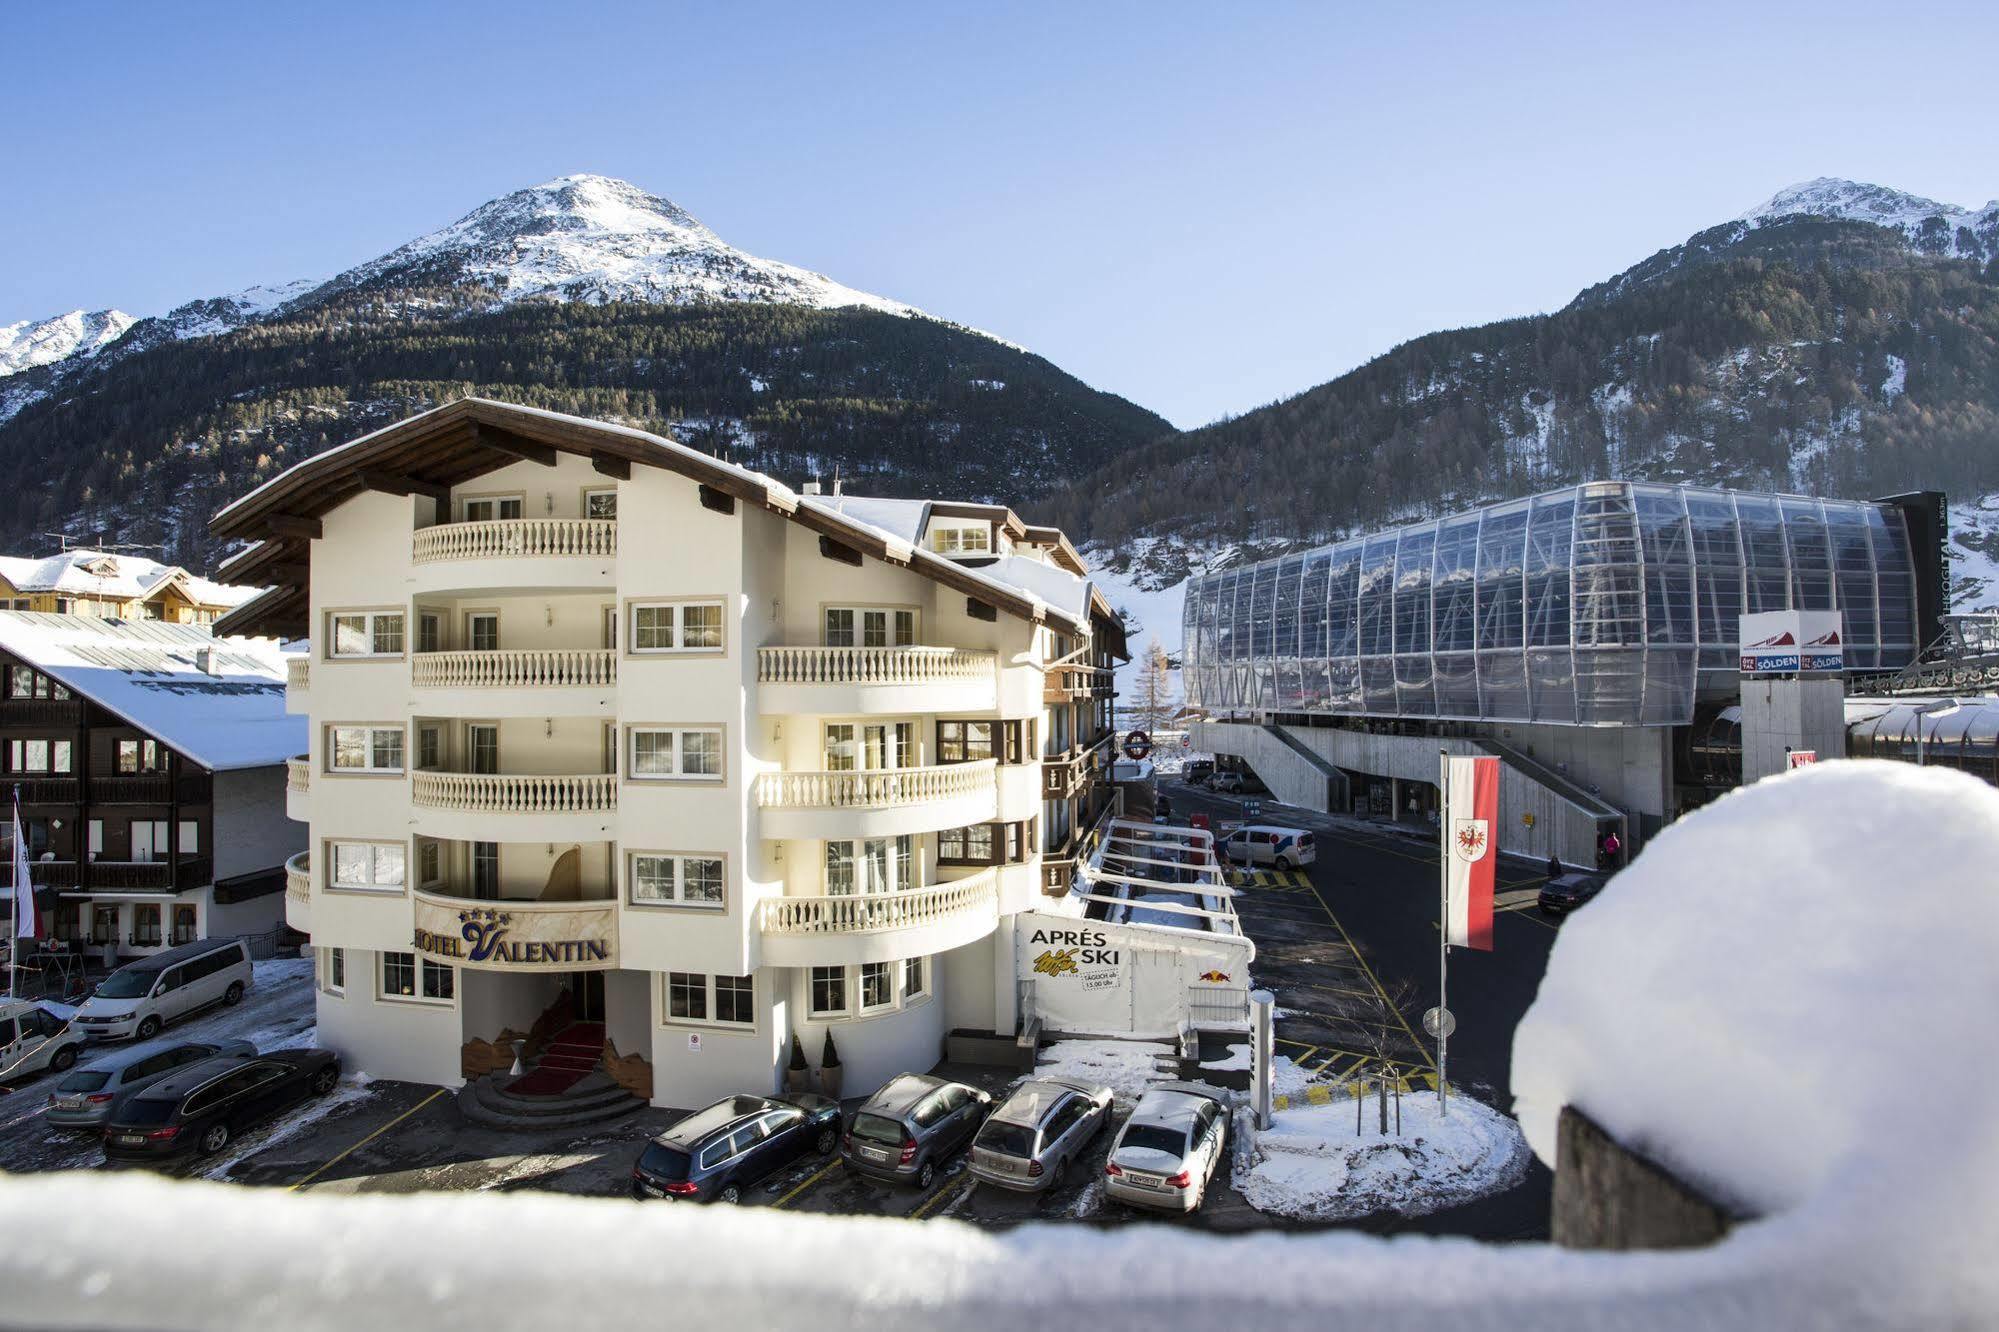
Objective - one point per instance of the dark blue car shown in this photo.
(716, 1153)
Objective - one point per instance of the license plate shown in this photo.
(129, 1139)
(874, 1153)
(69, 1105)
(652, 1192)
(1144, 1181)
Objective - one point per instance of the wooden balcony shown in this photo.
(48, 790)
(1066, 682)
(118, 875)
(65, 712)
(151, 788)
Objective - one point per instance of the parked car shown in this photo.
(1226, 783)
(88, 1097)
(141, 997)
(1198, 772)
(911, 1126)
(717, 1152)
(200, 1107)
(1563, 895)
(1028, 1143)
(1270, 844)
(1168, 1150)
(33, 1039)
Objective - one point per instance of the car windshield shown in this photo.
(1171, 1141)
(876, 1129)
(83, 1080)
(663, 1161)
(1006, 1139)
(127, 984)
(147, 1112)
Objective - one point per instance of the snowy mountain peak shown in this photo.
(595, 239)
(79, 333)
(1931, 227)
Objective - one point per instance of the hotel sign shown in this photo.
(518, 936)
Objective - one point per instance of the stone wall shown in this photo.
(1609, 1197)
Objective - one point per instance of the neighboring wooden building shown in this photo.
(107, 586)
(149, 759)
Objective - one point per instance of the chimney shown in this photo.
(204, 661)
(809, 488)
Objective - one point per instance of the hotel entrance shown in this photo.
(586, 992)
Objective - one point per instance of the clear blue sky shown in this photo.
(1202, 207)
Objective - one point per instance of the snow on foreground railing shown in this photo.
(1788, 997)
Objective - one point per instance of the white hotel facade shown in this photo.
(604, 730)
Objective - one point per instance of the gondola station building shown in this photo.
(623, 751)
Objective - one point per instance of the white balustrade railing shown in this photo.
(875, 789)
(874, 665)
(507, 793)
(298, 672)
(298, 877)
(515, 537)
(558, 668)
(865, 913)
(298, 773)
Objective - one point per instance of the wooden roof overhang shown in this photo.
(430, 453)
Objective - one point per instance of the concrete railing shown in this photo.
(298, 773)
(875, 789)
(867, 913)
(515, 538)
(496, 793)
(298, 673)
(874, 665)
(298, 877)
(553, 669)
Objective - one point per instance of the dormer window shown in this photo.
(970, 540)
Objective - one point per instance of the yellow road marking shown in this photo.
(809, 1181)
(1375, 982)
(365, 1141)
(962, 1187)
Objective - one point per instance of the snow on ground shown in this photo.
(1310, 1164)
(1126, 1067)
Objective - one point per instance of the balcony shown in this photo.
(553, 553)
(66, 712)
(298, 891)
(49, 790)
(118, 876)
(521, 934)
(298, 680)
(1067, 682)
(151, 788)
(298, 786)
(864, 681)
(509, 807)
(878, 927)
(556, 682)
(877, 803)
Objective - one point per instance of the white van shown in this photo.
(1267, 844)
(32, 1039)
(141, 997)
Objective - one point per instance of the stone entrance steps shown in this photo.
(594, 1100)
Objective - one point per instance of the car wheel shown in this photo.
(213, 1138)
(729, 1194)
(325, 1080)
(1284, 863)
(925, 1173)
(148, 1029)
(827, 1141)
(64, 1059)
(234, 994)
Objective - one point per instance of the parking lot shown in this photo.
(1348, 946)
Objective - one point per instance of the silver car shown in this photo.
(86, 1098)
(911, 1127)
(1028, 1143)
(1167, 1152)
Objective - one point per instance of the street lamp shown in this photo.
(1936, 708)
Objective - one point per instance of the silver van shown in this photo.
(141, 997)
(86, 1098)
(1270, 844)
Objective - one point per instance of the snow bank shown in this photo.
(1126, 1067)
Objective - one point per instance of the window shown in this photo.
(39, 756)
(141, 756)
(485, 858)
(966, 846)
(365, 633)
(490, 508)
(912, 978)
(962, 540)
(364, 748)
(720, 1000)
(877, 986)
(146, 925)
(407, 976)
(27, 682)
(333, 970)
(666, 880)
(677, 626)
(482, 631)
(369, 867)
(1019, 736)
(429, 631)
(429, 748)
(829, 990)
(964, 741)
(863, 626)
(600, 504)
(871, 747)
(874, 865)
(430, 862)
(660, 752)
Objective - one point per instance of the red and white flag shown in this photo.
(1471, 829)
(26, 926)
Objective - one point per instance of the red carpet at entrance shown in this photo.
(571, 1057)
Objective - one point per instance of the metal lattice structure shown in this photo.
(1606, 603)
(1964, 658)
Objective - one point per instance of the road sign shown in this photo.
(1440, 1022)
(1802, 757)
(1137, 745)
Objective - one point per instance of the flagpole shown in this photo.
(1443, 927)
(14, 904)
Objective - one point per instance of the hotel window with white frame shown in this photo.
(971, 540)
(658, 879)
(872, 865)
(333, 970)
(668, 753)
(429, 862)
(489, 508)
(408, 976)
(676, 626)
(972, 845)
(964, 741)
(913, 972)
(600, 503)
(866, 626)
(377, 749)
(365, 633)
(877, 987)
(829, 991)
(728, 1001)
(366, 867)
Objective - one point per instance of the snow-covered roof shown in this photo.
(902, 519)
(1056, 586)
(148, 672)
(106, 574)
